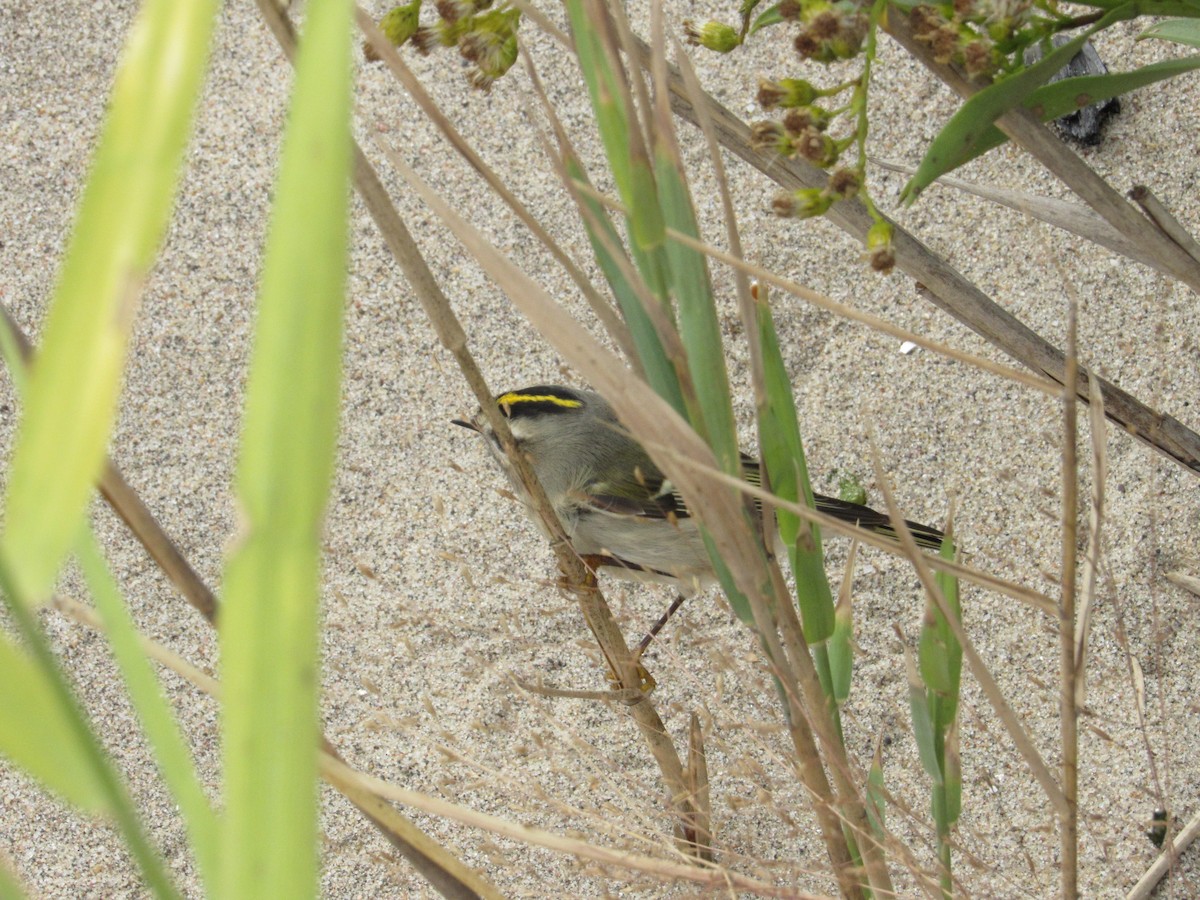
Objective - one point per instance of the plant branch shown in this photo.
(1027, 132)
(947, 288)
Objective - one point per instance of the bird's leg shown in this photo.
(659, 625)
(592, 563)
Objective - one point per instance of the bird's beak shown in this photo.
(465, 424)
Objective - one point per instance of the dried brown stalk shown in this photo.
(1068, 715)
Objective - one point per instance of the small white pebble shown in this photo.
(907, 347)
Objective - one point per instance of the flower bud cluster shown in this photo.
(828, 31)
(485, 37)
(975, 34)
(716, 36)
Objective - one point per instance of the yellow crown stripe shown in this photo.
(513, 398)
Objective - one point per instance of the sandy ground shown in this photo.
(436, 589)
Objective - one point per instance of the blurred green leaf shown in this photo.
(767, 18)
(37, 735)
(1181, 31)
(72, 393)
(154, 712)
(269, 613)
(10, 887)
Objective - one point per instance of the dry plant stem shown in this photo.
(438, 309)
(799, 679)
(991, 690)
(948, 289)
(1063, 214)
(1091, 562)
(1164, 221)
(1067, 713)
(435, 864)
(1187, 582)
(1027, 132)
(1169, 857)
(816, 710)
(380, 794)
(700, 826)
(401, 72)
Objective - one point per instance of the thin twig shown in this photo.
(1067, 713)
(1146, 884)
(1091, 561)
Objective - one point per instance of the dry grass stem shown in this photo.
(987, 682)
(1073, 217)
(1067, 712)
(358, 786)
(1170, 226)
(1091, 560)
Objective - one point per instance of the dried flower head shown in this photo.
(879, 247)
(845, 183)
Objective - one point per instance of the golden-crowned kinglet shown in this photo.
(612, 499)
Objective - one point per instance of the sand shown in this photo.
(436, 589)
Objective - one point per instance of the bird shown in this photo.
(620, 511)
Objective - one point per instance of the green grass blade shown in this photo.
(154, 712)
(624, 146)
(39, 713)
(36, 734)
(696, 306)
(270, 606)
(660, 372)
(949, 652)
(1180, 31)
(613, 119)
(783, 454)
(922, 722)
(72, 394)
(1069, 95)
